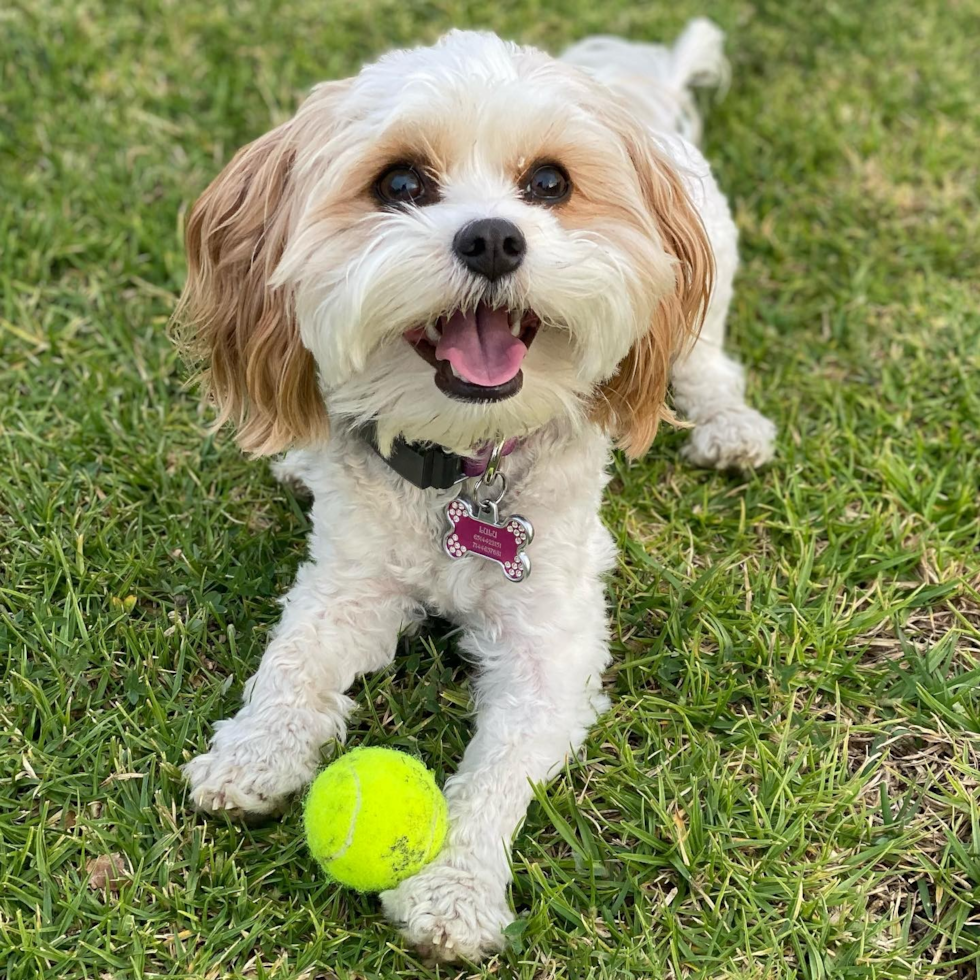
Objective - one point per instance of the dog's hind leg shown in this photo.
(709, 388)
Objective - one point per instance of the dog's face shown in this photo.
(462, 243)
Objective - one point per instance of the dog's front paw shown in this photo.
(219, 784)
(449, 913)
(734, 438)
(249, 773)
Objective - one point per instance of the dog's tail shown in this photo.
(658, 80)
(697, 58)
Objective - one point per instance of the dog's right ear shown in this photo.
(258, 372)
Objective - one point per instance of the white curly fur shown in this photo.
(376, 565)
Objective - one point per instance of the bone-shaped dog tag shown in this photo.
(476, 530)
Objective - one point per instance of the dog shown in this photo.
(445, 289)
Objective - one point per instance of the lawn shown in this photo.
(787, 784)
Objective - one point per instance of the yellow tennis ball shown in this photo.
(374, 817)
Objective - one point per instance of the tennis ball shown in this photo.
(374, 817)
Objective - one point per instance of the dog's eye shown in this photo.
(402, 185)
(547, 184)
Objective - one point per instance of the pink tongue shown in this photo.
(481, 347)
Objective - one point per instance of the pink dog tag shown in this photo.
(482, 534)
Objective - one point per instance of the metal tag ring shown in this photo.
(484, 484)
(493, 463)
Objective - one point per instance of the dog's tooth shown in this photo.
(515, 322)
(432, 333)
(456, 373)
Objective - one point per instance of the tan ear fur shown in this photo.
(632, 403)
(260, 375)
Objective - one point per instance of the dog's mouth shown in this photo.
(477, 353)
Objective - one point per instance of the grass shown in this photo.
(786, 786)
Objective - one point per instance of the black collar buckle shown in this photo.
(423, 464)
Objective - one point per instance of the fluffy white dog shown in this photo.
(468, 253)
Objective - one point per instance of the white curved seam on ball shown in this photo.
(353, 819)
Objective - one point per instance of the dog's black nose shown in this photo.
(490, 247)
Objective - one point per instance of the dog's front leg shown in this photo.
(537, 694)
(339, 621)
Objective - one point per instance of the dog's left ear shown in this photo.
(633, 402)
(232, 315)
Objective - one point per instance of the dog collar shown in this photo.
(431, 467)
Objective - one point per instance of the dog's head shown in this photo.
(462, 243)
